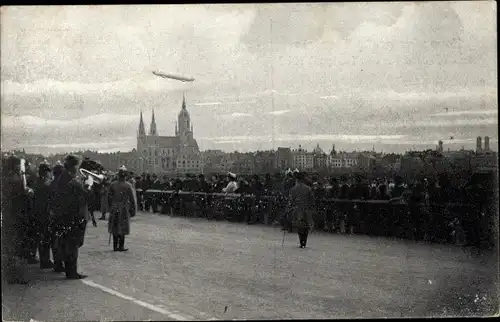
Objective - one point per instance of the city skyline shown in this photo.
(403, 78)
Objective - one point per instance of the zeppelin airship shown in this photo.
(176, 77)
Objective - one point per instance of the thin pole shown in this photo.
(272, 77)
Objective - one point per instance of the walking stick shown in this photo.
(283, 240)
(109, 240)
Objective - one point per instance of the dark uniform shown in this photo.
(146, 185)
(68, 203)
(14, 200)
(31, 238)
(121, 207)
(156, 199)
(286, 218)
(333, 214)
(302, 204)
(356, 219)
(53, 223)
(42, 215)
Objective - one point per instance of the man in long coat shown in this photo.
(121, 207)
(57, 170)
(14, 204)
(302, 205)
(42, 214)
(70, 216)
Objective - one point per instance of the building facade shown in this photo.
(342, 160)
(178, 154)
(302, 159)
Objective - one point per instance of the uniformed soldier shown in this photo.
(42, 214)
(121, 208)
(14, 201)
(70, 216)
(302, 205)
(53, 223)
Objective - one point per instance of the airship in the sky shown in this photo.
(172, 76)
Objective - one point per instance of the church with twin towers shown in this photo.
(178, 154)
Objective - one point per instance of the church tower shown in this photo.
(184, 128)
(141, 134)
(152, 128)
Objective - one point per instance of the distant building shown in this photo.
(486, 144)
(265, 162)
(319, 158)
(479, 145)
(391, 162)
(440, 146)
(302, 159)
(343, 160)
(169, 154)
(284, 158)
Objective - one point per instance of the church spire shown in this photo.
(152, 128)
(142, 130)
(183, 101)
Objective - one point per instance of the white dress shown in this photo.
(132, 184)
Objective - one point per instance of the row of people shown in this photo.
(50, 213)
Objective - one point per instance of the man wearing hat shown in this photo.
(121, 208)
(70, 209)
(287, 186)
(42, 214)
(57, 170)
(302, 204)
(232, 186)
(14, 199)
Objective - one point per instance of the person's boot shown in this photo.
(59, 267)
(46, 265)
(115, 243)
(121, 246)
(58, 263)
(71, 270)
(44, 251)
(305, 240)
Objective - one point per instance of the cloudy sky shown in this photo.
(395, 76)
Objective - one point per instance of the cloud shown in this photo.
(464, 113)
(334, 67)
(426, 124)
(313, 137)
(142, 83)
(208, 104)
(280, 112)
(236, 115)
(38, 123)
(228, 141)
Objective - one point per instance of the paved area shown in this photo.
(193, 269)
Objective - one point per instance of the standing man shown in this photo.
(14, 203)
(302, 203)
(54, 221)
(41, 213)
(287, 186)
(69, 205)
(121, 208)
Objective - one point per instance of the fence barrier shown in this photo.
(457, 223)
